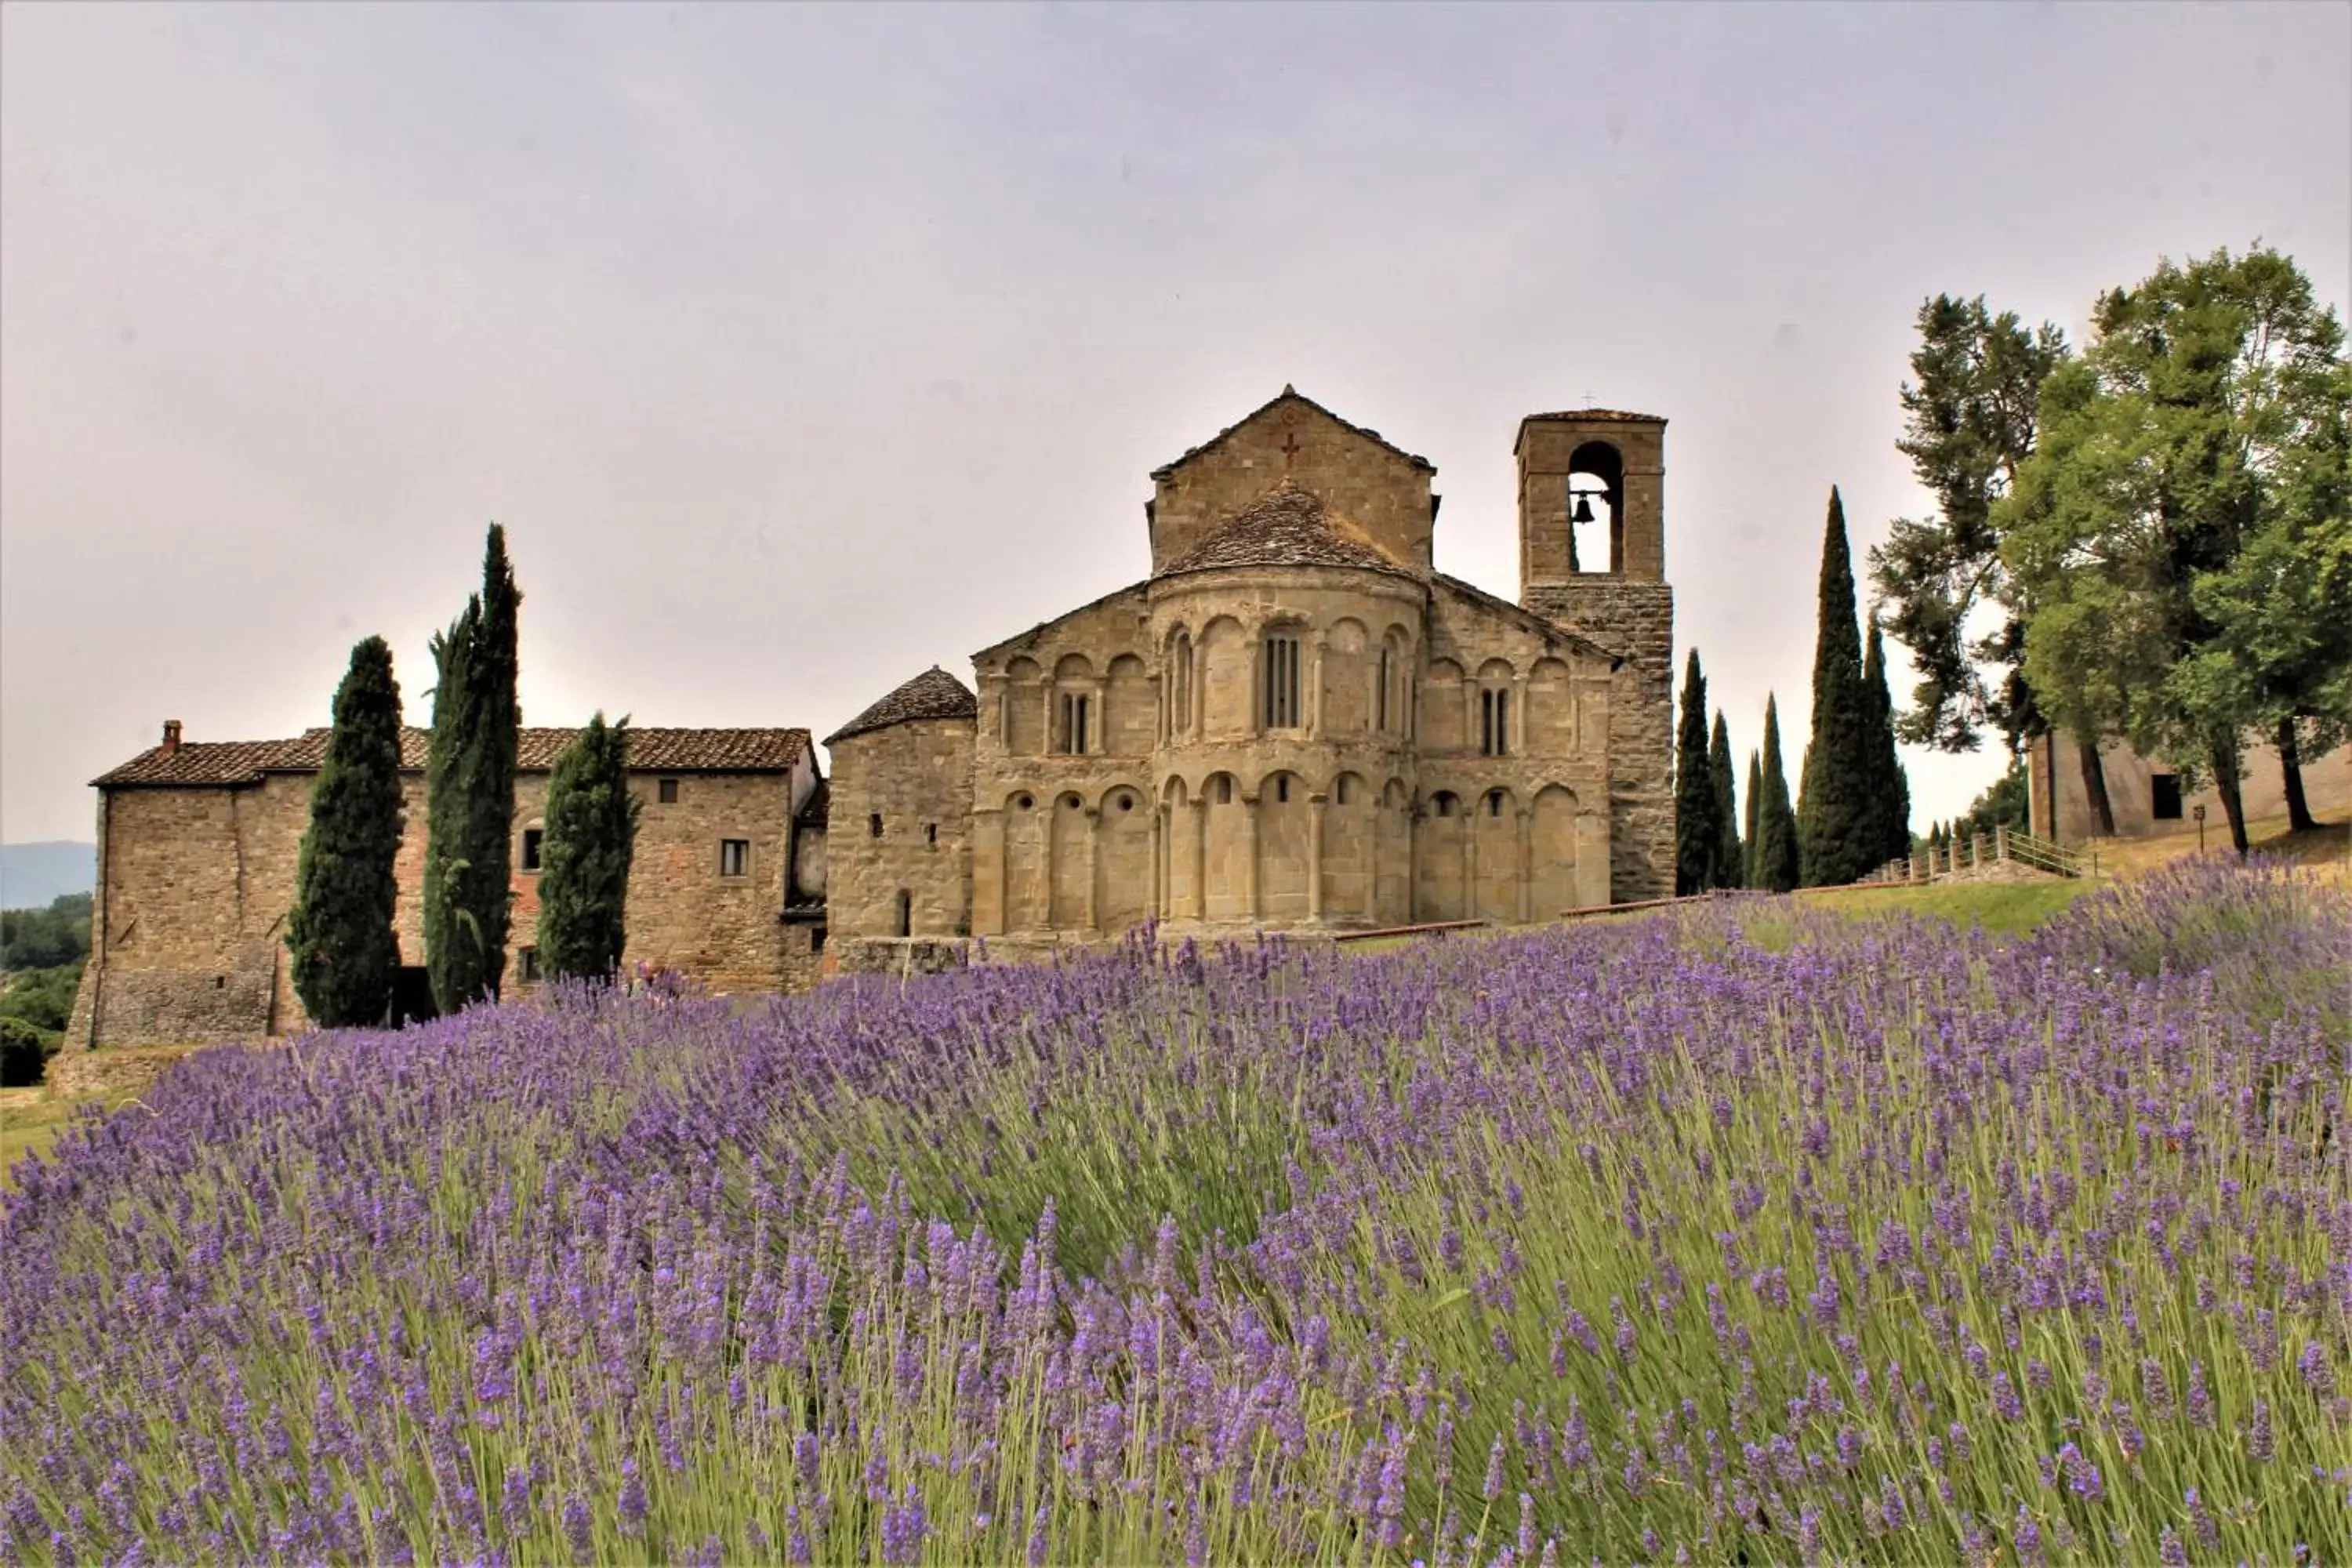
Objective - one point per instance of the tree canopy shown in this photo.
(339, 937)
(469, 804)
(584, 854)
(2188, 466)
(1969, 426)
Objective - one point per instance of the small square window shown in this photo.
(526, 964)
(532, 839)
(669, 791)
(734, 856)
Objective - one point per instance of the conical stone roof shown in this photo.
(934, 694)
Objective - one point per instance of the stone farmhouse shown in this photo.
(197, 842)
(2146, 798)
(1294, 722)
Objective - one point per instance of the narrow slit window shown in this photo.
(526, 964)
(931, 833)
(874, 825)
(1381, 721)
(533, 838)
(1494, 724)
(906, 912)
(1281, 704)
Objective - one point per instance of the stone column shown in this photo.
(1977, 849)
(1196, 694)
(1470, 862)
(987, 892)
(1097, 712)
(1249, 856)
(1412, 864)
(1521, 734)
(1527, 860)
(1201, 858)
(1472, 736)
(1046, 695)
(1045, 864)
(996, 691)
(1094, 860)
(2001, 840)
(1315, 857)
(1313, 695)
(1159, 862)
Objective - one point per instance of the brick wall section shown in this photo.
(916, 777)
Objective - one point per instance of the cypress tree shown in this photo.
(1777, 858)
(1836, 820)
(338, 935)
(1891, 795)
(1727, 870)
(592, 828)
(1696, 840)
(1749, 876)
(469, 791)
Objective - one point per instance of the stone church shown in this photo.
(1295, 721)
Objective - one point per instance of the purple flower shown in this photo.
(2317, 1376)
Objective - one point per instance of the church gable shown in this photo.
(1381, 488)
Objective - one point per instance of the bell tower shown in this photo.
(1592, 558)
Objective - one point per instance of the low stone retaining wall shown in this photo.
(114, 1074)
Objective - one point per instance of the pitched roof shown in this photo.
(934, 694)
(221, 763)
(1287, 526)
(1526, 617)
(1292, 395)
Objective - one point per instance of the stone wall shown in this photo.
(1636, 619)
(2057, 773)
(1379, 490)
(188, 934)
(900, 824)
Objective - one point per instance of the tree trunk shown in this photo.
(2225, 781)
(2298, 809)
(2095, 788)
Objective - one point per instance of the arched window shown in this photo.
(1495, 723)
(1596, 509)
(1075, 712)
(1280, 705)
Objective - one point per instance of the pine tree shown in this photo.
(583, 882)
(339, 936)
(1750, 875)
(469, 791)
(1727, 869)
(1697, 839)
(1836, 827)
(1777, 858)
(1891, 792)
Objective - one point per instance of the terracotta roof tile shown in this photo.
(934, 694)
(214, 762)
(1287, 526)
(1292, 395)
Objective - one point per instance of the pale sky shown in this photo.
(800, 348)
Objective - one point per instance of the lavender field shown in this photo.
(1754, 1236)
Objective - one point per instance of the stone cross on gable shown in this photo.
(1289, 450)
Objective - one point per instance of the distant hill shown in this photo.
(33, 874)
